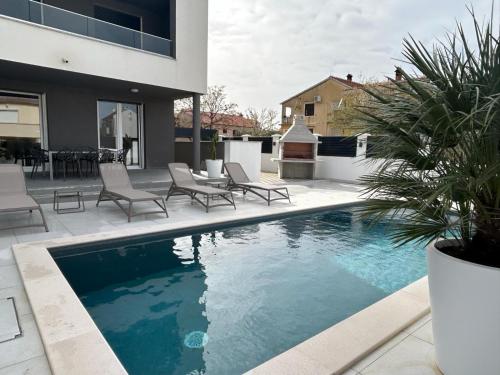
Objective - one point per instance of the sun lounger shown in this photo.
(238, 179)
(14, 196)
(183, 183)
(117, 187)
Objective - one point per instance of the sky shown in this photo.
(265, 51)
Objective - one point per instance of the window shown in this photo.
(309, 109)
(20, 126)
(9, 116)
(119, 127)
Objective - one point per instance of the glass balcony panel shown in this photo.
(43, 14)
(156, 44)
(15, 8)
(111, 33)
(64, 20)
(35, 12)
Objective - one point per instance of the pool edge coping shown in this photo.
(354, 337)
(72, 341)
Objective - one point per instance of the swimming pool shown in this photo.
(225, 300)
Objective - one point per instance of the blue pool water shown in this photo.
(225, 300)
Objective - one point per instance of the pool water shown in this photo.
(225, 300)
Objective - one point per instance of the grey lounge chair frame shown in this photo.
(183, 183)
(238, 180)
(117, 186)
(13, 187)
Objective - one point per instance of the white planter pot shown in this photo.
(214, 167)
(465, 304)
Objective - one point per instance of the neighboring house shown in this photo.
(99, 71)
(226, 125)
(320, 104)
(329, 106)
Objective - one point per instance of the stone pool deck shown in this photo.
(26, 354)
(411, 352)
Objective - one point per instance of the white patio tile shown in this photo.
(411, 357)
(33, 366)
(425, 333)
(418, 324)
(7, 237)
(20, 299)
(6, 257)
(9, 277)
(26, 347)
(372, 357)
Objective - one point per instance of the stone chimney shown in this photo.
(398, 75)
(349, 77)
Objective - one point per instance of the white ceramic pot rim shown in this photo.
(470, 264)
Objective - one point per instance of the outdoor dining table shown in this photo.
(51, 162)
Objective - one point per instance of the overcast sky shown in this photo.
(265, 51)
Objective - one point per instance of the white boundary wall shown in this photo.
(267, 165)
(248, 154)
(344, 169)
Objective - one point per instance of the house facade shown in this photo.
(226, 125)
(322, 106)
(99, 73)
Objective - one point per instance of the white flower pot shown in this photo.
(214, 168)
(465, 304)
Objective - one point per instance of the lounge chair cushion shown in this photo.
(12, 180)
(258, 185)
(203, 189)
(134, 195)
(19, 202)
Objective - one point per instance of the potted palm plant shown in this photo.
(440, 169)
(214, 165)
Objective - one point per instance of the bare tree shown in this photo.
(214, 104)
(265, 121)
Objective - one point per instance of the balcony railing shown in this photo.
(47, 15)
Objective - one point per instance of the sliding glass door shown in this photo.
(21, 134)
(120, 127)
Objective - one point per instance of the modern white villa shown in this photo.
(124, 251)
(100, 71)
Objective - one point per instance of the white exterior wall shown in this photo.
(33, 44)
(267, 165)
(247, 154)
(344, 169)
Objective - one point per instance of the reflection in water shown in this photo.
(223, 301)
(141, 290)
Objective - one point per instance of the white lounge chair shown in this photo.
(117, 187)
(14, 196)
(183, 183)
(238, 179)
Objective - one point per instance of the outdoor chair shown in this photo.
(183, 183)
(14, 196)
(67, 161)
(106, 156)
(238, 179)
(89, 161)
(40, 157)
(121, 156)
(117, 187)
